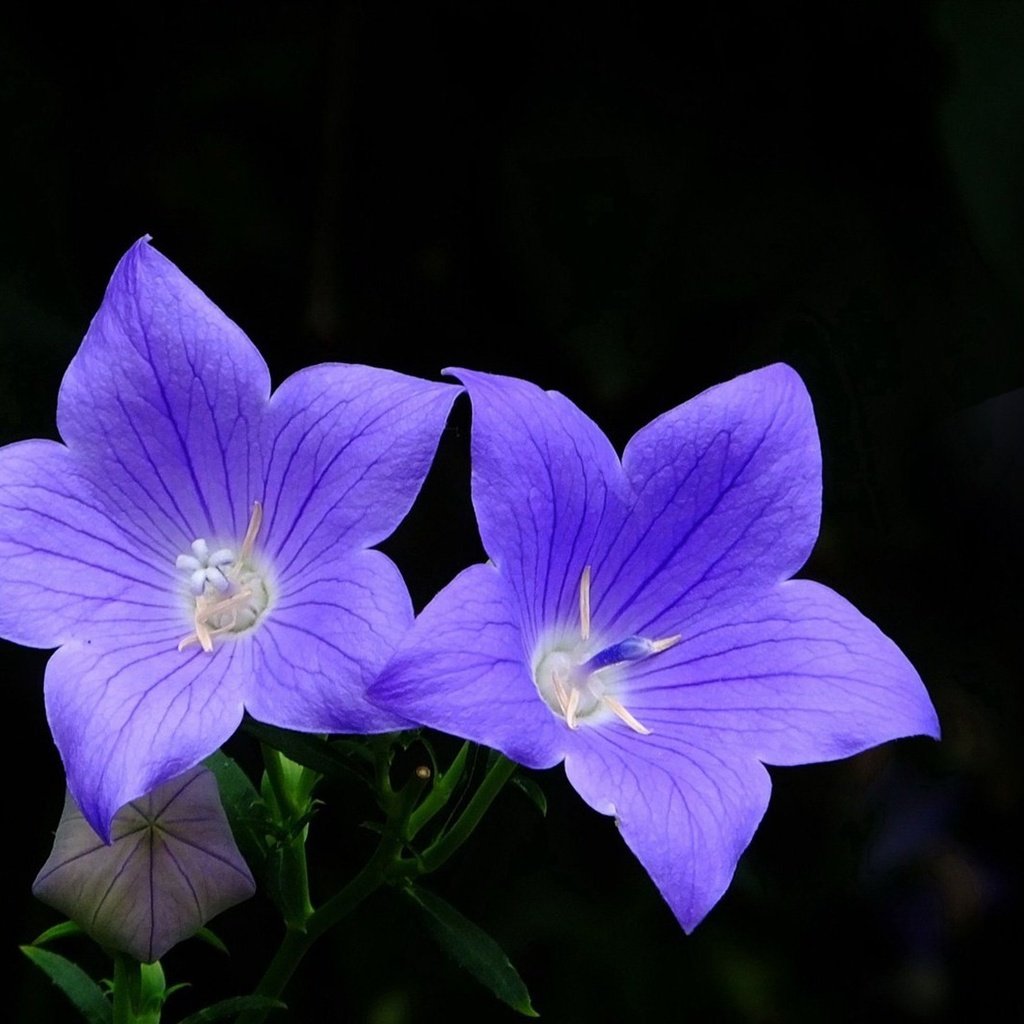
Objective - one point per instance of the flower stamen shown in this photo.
(230, 594)
(585, 604)
(560, 695)
(255, 522)
(576, 679)
(617, 709)
(572, 707)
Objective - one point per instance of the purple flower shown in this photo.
(637, 619)
(171, 866)
(198, 546)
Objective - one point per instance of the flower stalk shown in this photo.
(387, 865)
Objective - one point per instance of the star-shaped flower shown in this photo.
(638, 621)
(171, 866)
(198, 546)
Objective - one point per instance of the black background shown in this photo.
(628, 208)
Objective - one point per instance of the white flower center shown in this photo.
(229, 592)
(579, 680)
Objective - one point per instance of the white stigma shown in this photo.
(229, 592)
(579, 679)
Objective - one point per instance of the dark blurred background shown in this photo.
(628, 208)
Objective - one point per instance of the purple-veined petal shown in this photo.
(463, 670)
(163, 400)
(328, 633)
(727, 501)
(65, 567)
(131, 713)
(171, 866)
(793, 676)
(188, 503)
(687, 812)
(714, 663)
(346, 449)
(546, 486)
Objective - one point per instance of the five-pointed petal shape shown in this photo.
(198, 545)
(638, 621)
(171, 866)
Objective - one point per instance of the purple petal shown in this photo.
(65, 567)
(686, 812)
(163, 401)
(326, 637)
(546, 485)
(129, 714)
(172, 865)
(172, 438)
(346, 449)
(728, 497)
(794, 676)
(463, 670)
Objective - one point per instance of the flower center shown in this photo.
(228, 591)
(580, 679)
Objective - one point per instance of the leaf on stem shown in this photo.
(232, 1007)
(86, 995)
(533, 792)
(307, 749)
(472, 948)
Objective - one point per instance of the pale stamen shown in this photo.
(585, 604)
(560, 695)
(657, 646)
(205, 610)
(614, 706)
(572, 708)
(579, 678)
(255, 522)
(223, 571)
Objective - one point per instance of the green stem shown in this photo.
(386, 864)
(440, 793)
(294, 871)
(371, 877)
(434, 856)
(127, 988)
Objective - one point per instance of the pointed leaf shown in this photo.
(84, 993)
(472, 948)
(58, 931)
(533, 792)
(233, 1006)
(305, 749)
(212, 939)
(242, 804)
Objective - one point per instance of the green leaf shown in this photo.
(152, 992)
(84, 993)
(237, 793)
(58, 931)
(233, 1006)
(533, 791)
(472, 948)
(242, 804)
(212, 939)
(305, 749)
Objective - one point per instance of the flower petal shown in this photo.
(163, 399)
(346, 449)
(129, 714)
(687, 813)
(172, 866)
(64, 565)
(794, 676)
(462, 669)
(546, 484)
(728, 499)
(325, 639)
